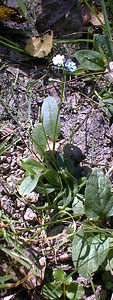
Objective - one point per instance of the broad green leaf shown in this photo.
(89, 251)
(32, 163)
(68, 280)
(67, 198)
(49, 118)
(52, 291)
(28, 185)
(69, 165)
(59, 275)
(39, 139)
(45, 189)
(90, 59)
(75, 291)
(60, 160)
(98, 197)
(52, 177)
(78, 206)
(27, 168)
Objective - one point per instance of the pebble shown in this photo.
(20, 204)
(30, 215)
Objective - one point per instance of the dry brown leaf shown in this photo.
(94, 21)
(88, 16)
(40, 46)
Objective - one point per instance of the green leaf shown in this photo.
(45, 189)
(28, 185)
(77, 71)
(24, 9)
(68, 280)
(108, 266)
(67, 198)
(89, 251)
(49, 118)
(52, 177)
(106, 104)
(59, 275)
(98, 197)
(90, 59)
(32, 163)
(22, 260)
(39, 139)
(69, 165)
(52, 290)
(7, 147)
(27, 168)
(22, 6)
(78, 206)
(75, 291)
(101, 41)
(6, 278)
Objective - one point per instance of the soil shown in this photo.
(24, 83)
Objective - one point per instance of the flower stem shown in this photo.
(61, 99)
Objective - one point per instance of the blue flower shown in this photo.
(70, 65)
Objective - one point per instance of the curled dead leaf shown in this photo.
(40, 46)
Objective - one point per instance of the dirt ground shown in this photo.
(24, 83)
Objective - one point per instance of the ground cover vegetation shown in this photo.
(66, 250)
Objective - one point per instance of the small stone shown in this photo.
(74, 153)
(30, 215)
(20, 204)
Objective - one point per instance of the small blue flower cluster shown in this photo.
(70, 65)
(59, 60)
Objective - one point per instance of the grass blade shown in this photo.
(24, 9)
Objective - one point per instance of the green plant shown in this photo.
(54, 175)
(24, 10)
(62, 286)
(92, 242)
(98, 58)
(5, 145)
(16, 257)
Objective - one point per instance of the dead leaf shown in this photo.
(40, 46)
(94, 21)
(89, 17)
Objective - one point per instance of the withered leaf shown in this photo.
(40, 46)
(89, 17)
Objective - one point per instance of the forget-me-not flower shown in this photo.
(58, 60)
(70, 65)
